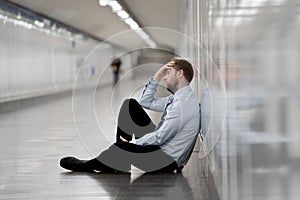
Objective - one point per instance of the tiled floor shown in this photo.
(35, 137)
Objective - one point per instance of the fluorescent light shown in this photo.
(142, 34)
(132, 23)
(115, 6)
(103, 2)
(151, 44)
(123, 14)
(39, 24)
(145, 37)
(113, 3)
(128, 21)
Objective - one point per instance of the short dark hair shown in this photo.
(186, 67)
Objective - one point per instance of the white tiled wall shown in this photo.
(37, 61)
(248, 57)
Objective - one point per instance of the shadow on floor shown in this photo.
(146, 186)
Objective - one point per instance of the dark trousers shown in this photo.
(116, 78)
(121, 155)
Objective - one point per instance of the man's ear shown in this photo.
(180, 73)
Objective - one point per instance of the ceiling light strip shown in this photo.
(125, 17)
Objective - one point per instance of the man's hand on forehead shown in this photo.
(170, 64)
(162, 71)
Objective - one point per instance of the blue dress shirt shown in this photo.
(176, 132)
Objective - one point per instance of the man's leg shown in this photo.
(76, 165)
(115, 78)
(113, 159)
(119, 157)
(149, 158)
(133, 119)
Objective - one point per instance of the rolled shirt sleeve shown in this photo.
(148, 100)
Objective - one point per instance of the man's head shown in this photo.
(179, 74)
(185, 66)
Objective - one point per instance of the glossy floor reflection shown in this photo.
(36, 135)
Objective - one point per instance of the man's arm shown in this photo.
(172, 120)
(148, 100)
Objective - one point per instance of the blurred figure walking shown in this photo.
(116, 65)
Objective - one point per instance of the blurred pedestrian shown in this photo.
(116, 65)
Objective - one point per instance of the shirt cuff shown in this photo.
(133, 141)
(152, 83)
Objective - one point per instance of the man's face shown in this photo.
(171, 79)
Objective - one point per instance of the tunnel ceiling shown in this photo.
(101, 22)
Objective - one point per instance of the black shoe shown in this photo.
(74, 164)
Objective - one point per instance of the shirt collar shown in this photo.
(182, 91)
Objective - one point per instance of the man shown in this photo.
(116, 65)
(162, 148)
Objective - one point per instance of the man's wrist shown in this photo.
(153, 81)
(156, 78)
